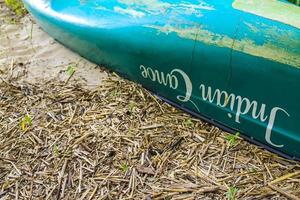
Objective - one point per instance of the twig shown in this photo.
(281, 191)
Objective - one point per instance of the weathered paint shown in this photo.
(235, 68)
(154, 7)
(272, 9)
(268, 50)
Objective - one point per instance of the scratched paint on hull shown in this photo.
(272, 9)
(154, 7)
(267, 50)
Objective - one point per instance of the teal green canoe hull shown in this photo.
(235, 63)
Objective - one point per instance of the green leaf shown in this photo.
(232, 139)
(231, 193)
(23, 126)
(70, 70)
(28, 120)
(115, 93)
(124, 167)
(188, 123)
(25, 122)
(131, 106)
(253, 170)
(16, 6)
(55, 150)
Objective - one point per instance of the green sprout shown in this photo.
(188, 122)
(25, 122)
(253, 170)
(130, 130)
(55, 150)
(232, 139)
(131, 106)
(124, 167)
(115, 93)
(70, 71)
(16, 6)
(231, 193)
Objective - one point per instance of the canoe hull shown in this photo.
(243, 75)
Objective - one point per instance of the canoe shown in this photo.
(234, 63)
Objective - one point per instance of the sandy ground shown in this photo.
(25, 44)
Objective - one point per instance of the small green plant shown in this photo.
(55, 150)
(115, 93)
(253, 170)
(131, 106)
(6, 184)
(130, 131)
(231, 193)
(188, 122)
(232, 139)
(70, 71)
(25, 122)
(124, 167)
(16, 6)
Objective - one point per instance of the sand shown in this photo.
(24, 43)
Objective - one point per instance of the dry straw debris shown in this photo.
(60, 140)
